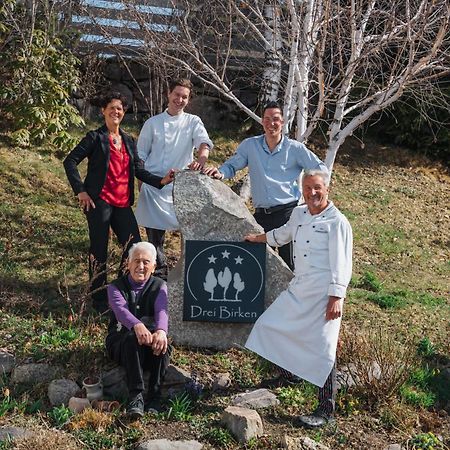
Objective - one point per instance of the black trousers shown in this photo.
(123, 348)
(124, 226)
(157, 238)
(275, 220)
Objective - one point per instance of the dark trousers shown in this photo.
(157, 238)
(270, 221)
(123, 348)
(124, 226)
(327, 393)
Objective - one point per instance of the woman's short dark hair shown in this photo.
(107, 98)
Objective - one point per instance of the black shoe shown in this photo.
(317, 419)
(135, 408)
(153, 406)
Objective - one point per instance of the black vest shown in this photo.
(141, 306)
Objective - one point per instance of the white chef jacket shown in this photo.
(166, 142)
(293, 332)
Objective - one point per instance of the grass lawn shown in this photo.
(397, 310)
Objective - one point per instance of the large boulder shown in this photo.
(208, 210)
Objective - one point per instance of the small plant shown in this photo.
(291, 396)
(347, 403)
(180, 407)
(426, 348)
(60, 415)
(219, 437)
(417, 397)
(426, 441)
(369, 282)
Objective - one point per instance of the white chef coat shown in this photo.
(293, 332)
(166, 142)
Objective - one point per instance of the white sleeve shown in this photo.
(145, 140)
(284, 234)
(200, 135)
(340, 254)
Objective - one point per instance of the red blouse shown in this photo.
(116, 190)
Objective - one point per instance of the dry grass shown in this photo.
(91, 419)
(47, 440)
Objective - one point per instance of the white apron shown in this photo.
(166, 142)
(293, 332)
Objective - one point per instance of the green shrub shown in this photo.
(38, 73)
(417, 397)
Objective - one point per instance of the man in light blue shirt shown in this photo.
(275, 163)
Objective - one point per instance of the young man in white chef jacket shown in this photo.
(167, 141)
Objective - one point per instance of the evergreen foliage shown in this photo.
(38, 74)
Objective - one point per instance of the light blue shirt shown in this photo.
(273, 175)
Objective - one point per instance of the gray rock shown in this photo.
(221, 382)
(346, 376)
(393, 447)
(176, 375)
(32, 373)
(115, 383)
(210, 211)
(243, 423)
(60, 391)
(164, 444)
(301, 443)
(13, 433)
(113, 376)
(260, 398)
(175, 381)
(7, 362)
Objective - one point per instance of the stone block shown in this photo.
(243, 423)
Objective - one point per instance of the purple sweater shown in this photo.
(119, 306)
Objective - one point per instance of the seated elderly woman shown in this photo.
(137, 333)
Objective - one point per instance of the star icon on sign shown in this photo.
(238, 260)
(225, 254)
(212, 259)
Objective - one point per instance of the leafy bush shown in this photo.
(417, 397)
(38, 73)
(426, 348)
(291, 395)
(219, 437)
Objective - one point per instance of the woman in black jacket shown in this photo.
(107, 192)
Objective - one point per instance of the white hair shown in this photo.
(321, 173)
(143, 246)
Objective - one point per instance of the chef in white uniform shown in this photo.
(299, 331)
(166, 142)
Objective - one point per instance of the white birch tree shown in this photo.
(333, 63)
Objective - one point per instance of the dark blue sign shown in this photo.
(224, 281)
